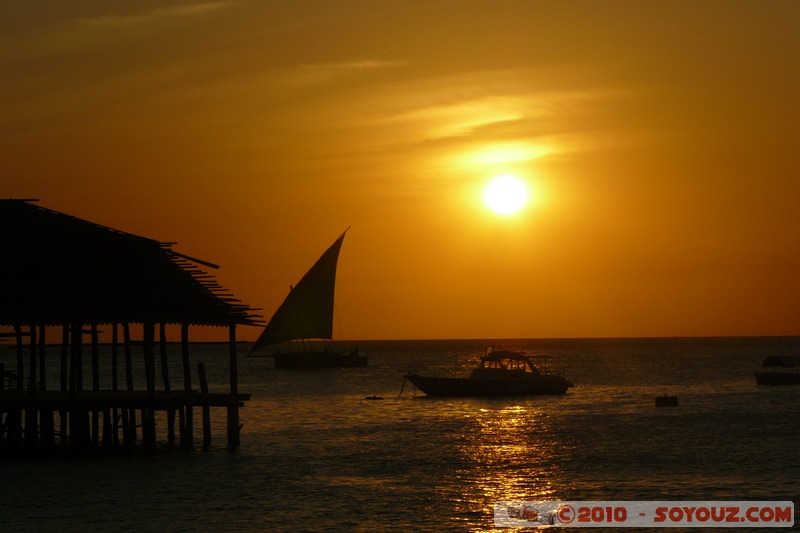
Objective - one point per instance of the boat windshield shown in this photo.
(512, 362)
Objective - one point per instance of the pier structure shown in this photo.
(64, 277)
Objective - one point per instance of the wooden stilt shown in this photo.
(233, 408)
(130, 416)
(114, 382)
(46, 416)
(47, 429)
(42, 358)
(31, 412)
(78, 416)
(187, 427)
(183, 438)
(148, 418)
(2, 413)
(201, 370)
(64, 356)
(14, 429)
(34, 355)
(65, 344)
(165, 377)
(128, 436)
(20, 358)
(75, 365)
(108, 427)
(95, 383)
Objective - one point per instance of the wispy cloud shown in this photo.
(309, 74)
(175, 12)
(359, 64)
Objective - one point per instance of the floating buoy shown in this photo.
(666, 401)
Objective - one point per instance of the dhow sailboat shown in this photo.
(306, 315)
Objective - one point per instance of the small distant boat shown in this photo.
(306, 315)
(499, 373)
(779, 370)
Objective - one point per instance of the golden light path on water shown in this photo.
(510, 453)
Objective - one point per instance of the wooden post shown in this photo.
(14, 428)
(114, 382)
(20, 358)
(108, 428)
(78, 417)
(79, 432)
(114, 357)
(2, 387)
(126, 337)
(34, 355)
(128, 415)
(165, 377)
(64, 356)
(149, 422)
(95, 358)
(201, 370)
(163, 352)
(31, 413)
(76, 358)
(42, 358)
(46, 415)
(233, 405)
(64, 380)
(148, 344)
(95, 383)
(187, 426)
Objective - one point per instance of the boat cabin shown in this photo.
(502, 364)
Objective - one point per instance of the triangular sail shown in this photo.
(307, 312)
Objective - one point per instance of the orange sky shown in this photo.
(658, 140)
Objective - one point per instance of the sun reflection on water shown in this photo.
(510, 452)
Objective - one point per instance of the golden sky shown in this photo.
(658, 141)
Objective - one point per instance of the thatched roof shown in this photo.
(58, 269)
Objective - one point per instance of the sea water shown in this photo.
(317, 455)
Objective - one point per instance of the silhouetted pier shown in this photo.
(65, 276)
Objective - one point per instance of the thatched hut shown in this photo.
(58, 271)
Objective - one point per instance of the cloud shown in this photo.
(175, 12)
(361, 64)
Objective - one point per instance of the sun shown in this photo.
(505, 195)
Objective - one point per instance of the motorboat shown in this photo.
(499, 373)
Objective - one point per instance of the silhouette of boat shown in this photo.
(306, 315)
(779, 370)
(499, 373)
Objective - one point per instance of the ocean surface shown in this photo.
(316, 455)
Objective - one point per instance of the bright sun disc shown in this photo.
(505, 195)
